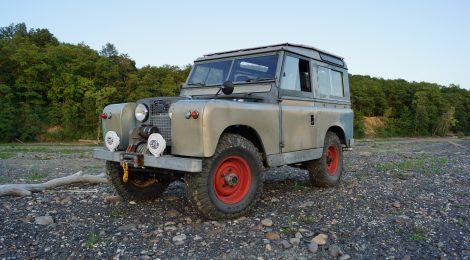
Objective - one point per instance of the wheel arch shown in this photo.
(250, 134)
(339, 131)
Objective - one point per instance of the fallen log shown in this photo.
(26, 189)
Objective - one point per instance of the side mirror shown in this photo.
(227, 88)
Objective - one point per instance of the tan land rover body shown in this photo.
(238, 113)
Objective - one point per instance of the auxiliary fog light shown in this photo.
(156, 144)
(111, 140)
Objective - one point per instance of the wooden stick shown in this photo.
(27, 189)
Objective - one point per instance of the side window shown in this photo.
(337, 83)
(330, 82)
(324, 81)
(296, 74)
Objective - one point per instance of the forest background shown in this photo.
(55, 91)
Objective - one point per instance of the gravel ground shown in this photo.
(399, 199)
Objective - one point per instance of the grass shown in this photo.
(397, 212)
(69, 151)
(418, 235)
(298, 186)
(43, 158)
(307, 219)
(289, 229)
(399, 231)
(32, 148)
(462, 221)
(461, 193)
(91, 239)
(460, 206)
(427, 165)
(37, 176)
(43, 151)
(6, 155)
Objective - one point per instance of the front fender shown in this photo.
(199, 137)
(187, 134)
(122, 121)
(221, 114)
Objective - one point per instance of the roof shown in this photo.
(279, 46)
(305, 50)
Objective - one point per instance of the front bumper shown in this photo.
(169, 162)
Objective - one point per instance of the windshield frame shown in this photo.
(232, 59)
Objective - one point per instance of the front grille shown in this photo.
(159, 117)
(163, 122)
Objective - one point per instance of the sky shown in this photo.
(421, 40)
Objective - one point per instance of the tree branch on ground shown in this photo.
(26, 189)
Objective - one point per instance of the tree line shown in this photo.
(56, 91)
(50, 91)
(410, 108)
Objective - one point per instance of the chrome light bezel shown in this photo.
(141, 112)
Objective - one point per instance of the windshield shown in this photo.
(213, 73)
(249, 69)
(254, 69)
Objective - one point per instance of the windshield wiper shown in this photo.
(197, 84)
(259, 79)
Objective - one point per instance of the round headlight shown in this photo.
(141, 112)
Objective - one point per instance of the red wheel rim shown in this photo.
(332, 160)
(232, 179)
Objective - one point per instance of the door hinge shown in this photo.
(281, 144)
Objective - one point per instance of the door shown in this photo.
(297, 111)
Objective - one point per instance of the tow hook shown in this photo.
(125, 168)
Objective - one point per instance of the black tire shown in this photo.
(322, 171)
(135, 189)
(205, 191)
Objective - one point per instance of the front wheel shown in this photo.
(141, 185)
(231, 180)
(327, 171)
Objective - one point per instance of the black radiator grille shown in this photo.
(159, 117)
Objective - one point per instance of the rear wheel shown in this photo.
(327, 171)
(141, 185)
(231, 180)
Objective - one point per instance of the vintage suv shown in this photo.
(238, 113)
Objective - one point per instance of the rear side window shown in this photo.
(330, 82)
(296, 75)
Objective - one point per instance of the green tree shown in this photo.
(446, 121)
(45, 84)
(8, 113)
(422, 121)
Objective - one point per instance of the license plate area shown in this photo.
(133, 159)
